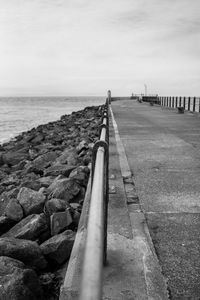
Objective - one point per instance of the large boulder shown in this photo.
(28, 252)
(56, 170)
(40, 163)
(31, 201)
(81, 175)
(34, 227)
(69, 157)
(12, 158)
(43, 161)
(55, 205)
(59, 247)
(65, 189)
(17, 282)
(14, 210)
(60, 221)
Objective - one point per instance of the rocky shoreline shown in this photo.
(43, 179)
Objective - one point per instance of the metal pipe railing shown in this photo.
(96, 240)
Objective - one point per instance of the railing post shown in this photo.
(176, 101)
(194, 104)
(189, 104)
(173, 102)
(180, 102)
(184, 102)
(109, 96)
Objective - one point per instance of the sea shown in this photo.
(18, 114)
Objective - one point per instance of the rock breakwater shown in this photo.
(43, 179)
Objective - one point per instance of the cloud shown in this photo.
(80, 45)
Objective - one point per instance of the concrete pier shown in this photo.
(163, 152)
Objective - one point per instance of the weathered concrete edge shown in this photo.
(70, 288)
(125, 170)
(156, 285)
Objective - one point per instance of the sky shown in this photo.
(85, 47)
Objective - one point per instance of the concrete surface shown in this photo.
(162, 148)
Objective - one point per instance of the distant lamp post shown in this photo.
(145, 88)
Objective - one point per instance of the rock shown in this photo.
(38, 139)
(68, 157)
(12, 158)
(82, 153)
(1, 158)
(3, 175)
(56, 170)
(11, 179)
(13, 193)
(81, 175)
(91, 146)
(14, 210)
(19, 166)
(17, 282)
(41, 162)
(60, 221)
(76, 218)
(46, 181)
(31, 228)
(82, 146)
(32, 153)
(55, 205)
(4, 200)
(33, 185)
(75, 205)
(5, 224)
(31, 201)
(26, 251)
(59, 247)
(51, 285)
(65, 189)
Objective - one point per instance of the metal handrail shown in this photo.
(95, 246)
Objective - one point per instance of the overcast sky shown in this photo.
(85, 47)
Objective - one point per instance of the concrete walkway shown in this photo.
(133, 270)
(163, 151)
